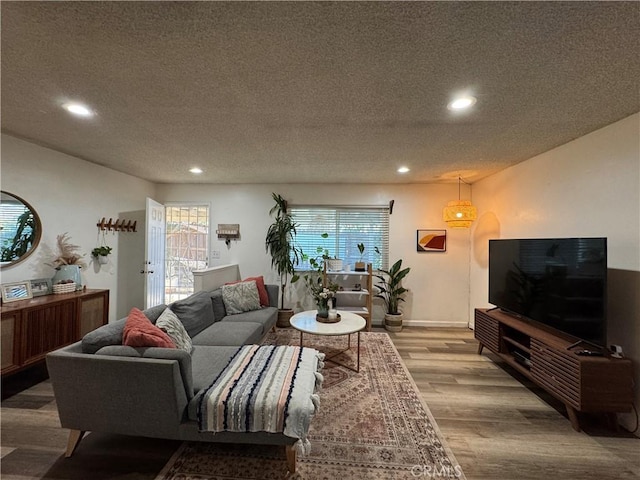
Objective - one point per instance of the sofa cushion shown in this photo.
(218, 304)
(274, 294)
(169, 323)
(182, 357)
(195, 312)
(153, 313)
(140, 332)
(111, 333)
(206, 364)
(240, 297)
(266, 317)
(225, 333)
(262, 290)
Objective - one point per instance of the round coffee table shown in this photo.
(305, 322)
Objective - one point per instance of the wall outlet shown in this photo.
(215, 254)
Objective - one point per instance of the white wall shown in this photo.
(71, 195)
(438, 281)
(587, 188)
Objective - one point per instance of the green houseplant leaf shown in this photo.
(279, 244)
(390, 289)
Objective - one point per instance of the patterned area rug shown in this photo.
(371, 425)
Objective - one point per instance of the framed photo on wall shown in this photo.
(12, 292)
(431, 241)
(40, 286)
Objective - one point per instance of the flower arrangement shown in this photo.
(321, 295)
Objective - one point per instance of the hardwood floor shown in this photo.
(504, 427)
(498, 427)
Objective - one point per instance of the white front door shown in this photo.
(154, 254)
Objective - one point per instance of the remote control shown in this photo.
(589, 353)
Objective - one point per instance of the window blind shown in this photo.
(9, 215)
(346, 228)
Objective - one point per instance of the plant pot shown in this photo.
(323, 311)
(334, 264)
(393, 323)
(103, 259)
(284, 317)
(360, 267)
(68, 272)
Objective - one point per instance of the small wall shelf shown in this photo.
(228, 231)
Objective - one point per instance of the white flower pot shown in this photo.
(334, 264)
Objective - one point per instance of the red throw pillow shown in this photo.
(140, 332)
(262, 290)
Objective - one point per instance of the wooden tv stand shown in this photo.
(583, 383)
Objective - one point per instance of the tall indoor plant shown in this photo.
(391, 292)
(284, 255)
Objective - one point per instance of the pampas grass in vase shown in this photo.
(68, 262)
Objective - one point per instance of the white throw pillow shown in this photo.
(172, 326)
(241, 297)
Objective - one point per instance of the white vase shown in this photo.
(103, 259)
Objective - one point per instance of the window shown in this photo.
(187, 244)
(346, 228)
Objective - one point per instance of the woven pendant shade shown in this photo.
(459, 214)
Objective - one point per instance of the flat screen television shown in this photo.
(559, 282)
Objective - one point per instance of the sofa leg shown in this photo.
(291, 458)
(74, 439)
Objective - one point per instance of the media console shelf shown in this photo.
(582, 383)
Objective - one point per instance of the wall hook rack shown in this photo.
(228, 231)
(120, 225)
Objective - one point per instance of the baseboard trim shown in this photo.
(428, 323)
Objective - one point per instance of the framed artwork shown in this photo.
(431, 241)
(40, 286)
(12, 292)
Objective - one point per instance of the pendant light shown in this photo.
(459, 213)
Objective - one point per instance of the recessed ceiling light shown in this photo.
(462, 103)
(403, 169)
(196, 170)
(78, 109)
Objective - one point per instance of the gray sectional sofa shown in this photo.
(103, 386)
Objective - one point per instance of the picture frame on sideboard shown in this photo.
(41, 286)
(13, 292)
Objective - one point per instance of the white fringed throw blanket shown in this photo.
(265, 388)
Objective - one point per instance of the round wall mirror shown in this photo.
(20, 229)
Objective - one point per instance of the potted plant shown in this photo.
(391, 292)
(100, 253)
(323, 258)
(360, 266)
(67, 263)
(284, 255)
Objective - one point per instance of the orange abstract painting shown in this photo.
(432, 240)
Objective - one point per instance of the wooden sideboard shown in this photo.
(32, 328)
(583, 383)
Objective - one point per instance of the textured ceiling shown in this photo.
(298, 92)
